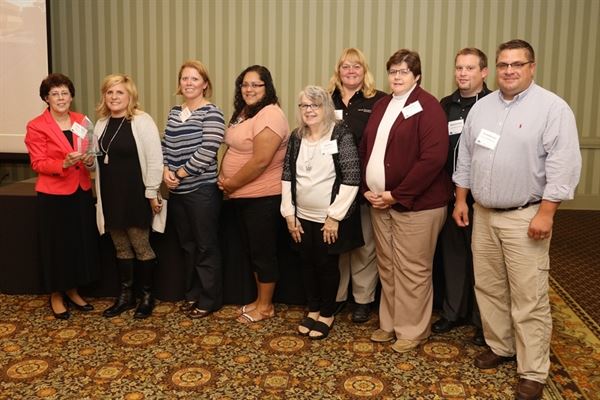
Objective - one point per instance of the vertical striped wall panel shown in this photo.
(300, 40)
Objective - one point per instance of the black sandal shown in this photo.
(308, 323)
(322, 328)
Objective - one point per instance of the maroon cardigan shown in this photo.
(415, 156)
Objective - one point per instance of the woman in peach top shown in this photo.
(251, 177)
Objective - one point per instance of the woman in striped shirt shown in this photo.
(192, 138)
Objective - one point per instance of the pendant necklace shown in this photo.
(105, 151)
(310, 154)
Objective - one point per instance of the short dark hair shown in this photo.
(240, 105)
(517, 44)
(410, 57)
(483, 61)
(55, 80)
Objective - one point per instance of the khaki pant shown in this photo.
(405, 243)
(511, 285)
(361, 265)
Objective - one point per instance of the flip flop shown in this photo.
(246, 318)
(308, 323)
(322, 328)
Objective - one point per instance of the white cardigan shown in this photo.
(147, 142)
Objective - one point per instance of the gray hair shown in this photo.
(318, 95)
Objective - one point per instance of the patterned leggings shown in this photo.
(130, 240)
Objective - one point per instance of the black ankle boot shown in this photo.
(126, 299)
(144, 309)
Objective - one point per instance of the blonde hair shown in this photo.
(109, 81)
(354, 55)
(202, 70)
(319, 96)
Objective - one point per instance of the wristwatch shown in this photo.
(177, 175)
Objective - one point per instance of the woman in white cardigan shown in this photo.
(128, 177)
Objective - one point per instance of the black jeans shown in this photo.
(320, 270)
(195, 217)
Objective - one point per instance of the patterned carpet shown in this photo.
(171, 357)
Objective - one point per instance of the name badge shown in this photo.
(455, 127)
(329, 147)
(185, 114)
(79, 130)
(412, 109)
(339, 114)
(487, 139)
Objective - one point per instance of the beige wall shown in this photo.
(299, 41)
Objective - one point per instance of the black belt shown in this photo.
(532, 203)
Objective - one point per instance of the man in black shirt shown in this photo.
(459, 303)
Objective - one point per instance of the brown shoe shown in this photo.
(529, 390)
(488, 359)
(382, 336)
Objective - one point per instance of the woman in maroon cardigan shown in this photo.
(403, 152)
(65, 207)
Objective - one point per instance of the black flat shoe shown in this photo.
(85, 308)
(62, 315)
(361, 313)
(443, 325)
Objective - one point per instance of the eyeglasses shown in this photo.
(312, 107)
(348, 67)
(517, 65)
(252, 85)
(59, 94)
(402, 72)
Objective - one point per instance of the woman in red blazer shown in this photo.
(403, 152)
(68, 241)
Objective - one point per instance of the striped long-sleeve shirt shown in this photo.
(193, 145)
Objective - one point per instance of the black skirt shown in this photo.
(68, 240)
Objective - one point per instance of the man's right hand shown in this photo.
(461, 214)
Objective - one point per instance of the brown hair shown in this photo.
(517, 44)
(55, 80)
(410, 57)
(483, 61)
(202, 70)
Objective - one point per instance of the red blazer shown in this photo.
(48, 147)
(415, 155)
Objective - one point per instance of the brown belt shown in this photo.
(532, 203)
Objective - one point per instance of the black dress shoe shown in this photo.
(478, 338)
(196, 313)
(361, 313)
(62, 315)
(443, 325)
(85, 308)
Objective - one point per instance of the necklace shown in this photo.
(311, 150)
(105, 151)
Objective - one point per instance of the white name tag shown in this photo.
(412, 109)
(329, 147)
(487, 139)
(78, 130)
(339, 114)
(185, 114)
(455, 127)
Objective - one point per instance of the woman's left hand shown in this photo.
(156, 205)
(88, 160)
(330, 230)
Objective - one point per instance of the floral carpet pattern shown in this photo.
(169, 356)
